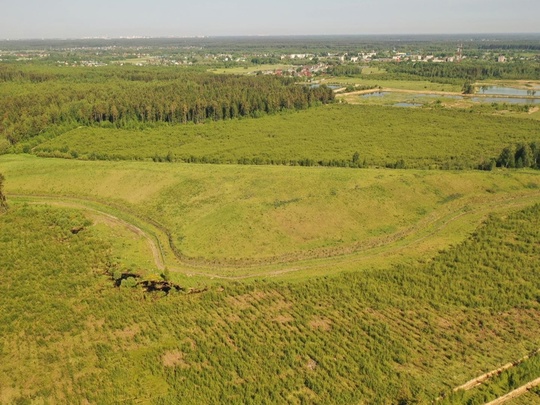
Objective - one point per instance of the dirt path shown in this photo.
(516, 393)
(475, 382)
(389, 245)
(484, 377)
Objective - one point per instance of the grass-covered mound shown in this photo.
(221, 215)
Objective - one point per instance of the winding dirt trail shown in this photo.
(387, 246)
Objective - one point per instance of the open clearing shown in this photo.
(237, 221)
(245, 70)
(126, 230)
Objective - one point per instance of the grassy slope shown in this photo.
(381, 135)
(376, 336)
(269, 214)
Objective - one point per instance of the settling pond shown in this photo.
(508, 91)
(522, 96)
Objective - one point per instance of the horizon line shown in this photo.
(134, 37)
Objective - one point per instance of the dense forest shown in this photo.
(34, 99)
(467, 70)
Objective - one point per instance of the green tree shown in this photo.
(524, 154)
(3, 202)
(467, 88)
(356, 158)
(507, 157)
(535, 149)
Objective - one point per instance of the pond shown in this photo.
(415, 99)
(508, 91)
(375, 94)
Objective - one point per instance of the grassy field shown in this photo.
(394, 97)
(405, 333)
(520, 84)
(234, 220)
(372, 71)
(381, 135)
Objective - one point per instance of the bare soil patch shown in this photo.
(128, 332)
(174, 358)
(284, 318)
(311, 364)
(321, 323)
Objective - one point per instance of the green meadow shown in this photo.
(236, 220)
(243, 70)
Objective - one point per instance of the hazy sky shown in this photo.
(115, 18)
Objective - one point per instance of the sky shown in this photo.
(25, 19)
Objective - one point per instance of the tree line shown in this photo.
(345, 70)
(467, 70)
(519, 156)
(34, 100)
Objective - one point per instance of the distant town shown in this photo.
(275, 60)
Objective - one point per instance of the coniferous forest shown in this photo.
(34, 99)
